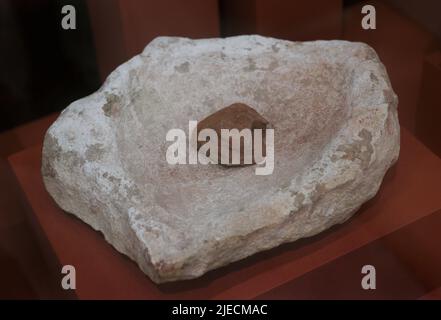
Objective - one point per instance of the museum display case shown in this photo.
(92, 207)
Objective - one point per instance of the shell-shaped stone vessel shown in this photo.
(334, 115)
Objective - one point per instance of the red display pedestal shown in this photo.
(397, 232)
(428, 115)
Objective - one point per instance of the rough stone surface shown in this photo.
(237, 116)
(336, 133)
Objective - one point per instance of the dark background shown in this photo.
(44, 68)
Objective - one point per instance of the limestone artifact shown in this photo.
(334, 115)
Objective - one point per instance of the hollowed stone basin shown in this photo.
(336, 133)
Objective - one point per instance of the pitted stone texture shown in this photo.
(336, 133)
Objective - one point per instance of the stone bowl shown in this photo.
(334, 115)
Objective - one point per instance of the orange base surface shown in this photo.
(410, 191)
